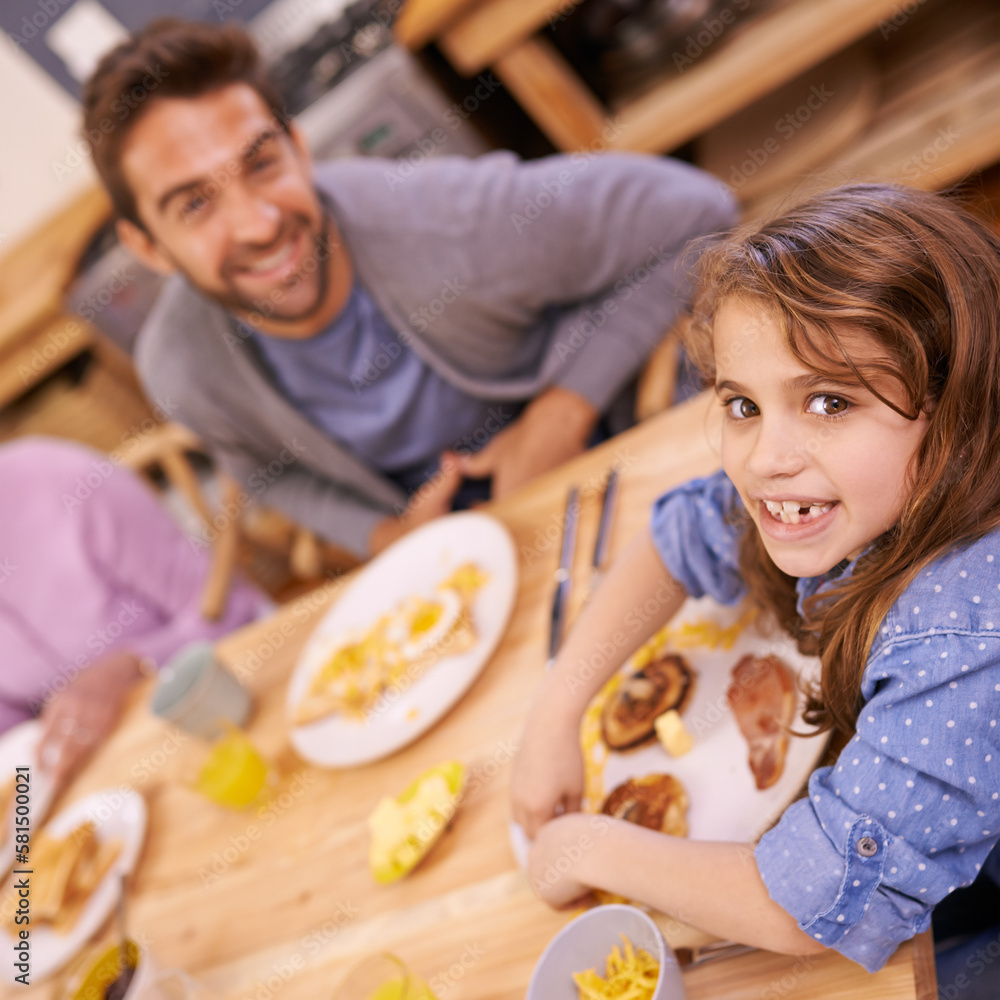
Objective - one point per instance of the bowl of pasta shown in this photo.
(612, 951)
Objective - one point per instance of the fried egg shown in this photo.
(422, 622)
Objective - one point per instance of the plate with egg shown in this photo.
(404, 642)
(700, 733)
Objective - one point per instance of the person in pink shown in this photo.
(96, 581)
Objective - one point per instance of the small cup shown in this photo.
(234, 773)
(149, 982)
(383, 977)
(197, 693)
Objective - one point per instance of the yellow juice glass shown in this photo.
(383, 977)
(234, 772)
(102, 970)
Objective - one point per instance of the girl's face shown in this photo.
(820, 464)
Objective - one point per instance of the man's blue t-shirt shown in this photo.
(360, 383)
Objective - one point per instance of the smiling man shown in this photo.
(396, 339)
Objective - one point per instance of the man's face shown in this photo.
(227, 198)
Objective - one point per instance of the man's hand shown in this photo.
(78, 719)
(432, 500)
(553, 428)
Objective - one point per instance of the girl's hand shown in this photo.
(548, 770)
(560, 850)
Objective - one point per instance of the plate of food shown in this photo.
(73, 881)
(404, 642)
(19, 749)
(700, 734)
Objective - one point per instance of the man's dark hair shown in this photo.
(167, 58)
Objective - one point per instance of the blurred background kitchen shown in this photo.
(776, 97)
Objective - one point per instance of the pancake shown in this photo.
(629, 717)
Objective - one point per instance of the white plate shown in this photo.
(414, 565)
(118, 816)
(725, 801)
(19, 748)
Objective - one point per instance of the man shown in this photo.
(95, 577)
(353, 344)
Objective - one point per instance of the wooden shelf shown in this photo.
(767, 52)
(938, 119)
(935, 121)
(35, 270)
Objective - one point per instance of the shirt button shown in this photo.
(867, 847)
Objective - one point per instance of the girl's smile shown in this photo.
(820, 463)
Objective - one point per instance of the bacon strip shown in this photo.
(762, 697)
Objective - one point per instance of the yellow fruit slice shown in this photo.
(404, 828)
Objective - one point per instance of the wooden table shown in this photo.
(279, 904)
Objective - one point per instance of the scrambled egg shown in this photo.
(401, 644)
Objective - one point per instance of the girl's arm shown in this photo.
(711, 885)
(635, 599)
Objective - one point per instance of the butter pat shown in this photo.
(670, 730)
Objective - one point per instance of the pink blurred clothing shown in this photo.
(91, 563)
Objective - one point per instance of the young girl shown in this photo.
(854, 349)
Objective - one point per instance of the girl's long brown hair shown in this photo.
(922, 277)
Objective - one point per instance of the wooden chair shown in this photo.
(235, 539)
(658, 381)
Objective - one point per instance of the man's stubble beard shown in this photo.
(264, 309)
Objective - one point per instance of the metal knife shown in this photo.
(604, 532)
(564, 575)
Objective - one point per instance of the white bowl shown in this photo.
(586, 942)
